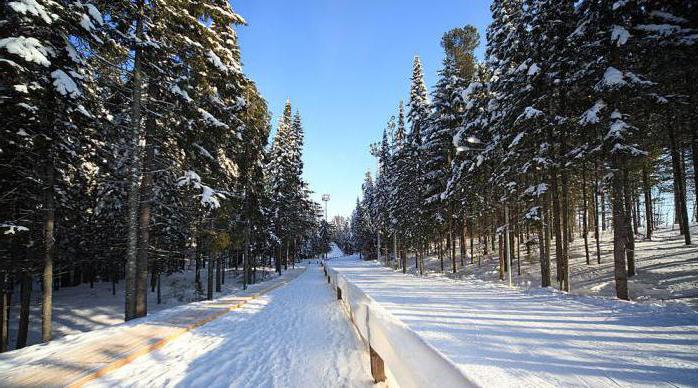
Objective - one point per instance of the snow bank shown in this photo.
(410, 360)
(472, 332)
(335, 252)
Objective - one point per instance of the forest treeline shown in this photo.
(581, 117)
(133, 145)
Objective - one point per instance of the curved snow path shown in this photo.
(296, 336)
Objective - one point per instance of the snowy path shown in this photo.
(507, 337)
(296, 336)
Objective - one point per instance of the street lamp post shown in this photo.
(325, 199)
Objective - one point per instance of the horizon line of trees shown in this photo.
(582, 114)
(133, 145)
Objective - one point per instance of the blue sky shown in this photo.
(345, 64)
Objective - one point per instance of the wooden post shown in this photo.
(377, 367)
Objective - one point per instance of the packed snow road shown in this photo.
(295, 336)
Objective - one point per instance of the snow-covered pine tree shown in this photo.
(285, 169)
(380, 216)
(196, 69)
(253, 225)
(616, 93)
(481, 142)
(360, 233)
(438, 150)
(369, 211)
(475, 155)
(536, 148)
(43, 96)
(394, 207)
(303, 217)
(411, 173)
(666, 35)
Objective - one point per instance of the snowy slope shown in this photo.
(334, 252)
(296, 336)
(509, 337)
(666, 268)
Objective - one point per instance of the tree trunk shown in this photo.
(441, 257)
(548, 233)
(602, 194)
(4, 312)
(285, 258)
(416, 258)
(517, 239)
(619, 234)
(502, 262)
(146, 200)
(630, 237)
(277, 262)
(679, 186)
(49, 243)
(694, 148)
(566, 233)
(463, 247)
(557, 227)
(25, 301)
(403, 260)
(246, 253)
(635, 203)
(218, 274)
(197, 268)
(647, 188)
(293, 257)
(378, 246)
(544, 258)
(225, 263)
(472, 242)
(451, 243)
(585, 216)
(209, 278)
(133, 201)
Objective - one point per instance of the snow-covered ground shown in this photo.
(295, 336)
(81, 308)
(667, 270)
(539, 337)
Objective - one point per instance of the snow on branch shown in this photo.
(591, 116)
(211, 120)
(30, 49)
(619, 35)
(612, 78)
(31, 7)
(529, 113)
(64, 84)
(209, 197)
(13, 229)
(203, 151)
